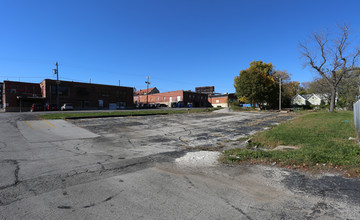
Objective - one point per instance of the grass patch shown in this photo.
(69, 115)
(323, 139)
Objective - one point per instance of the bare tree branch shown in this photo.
(321, 40)
(357, 54)
(306, 53)
(333, 65)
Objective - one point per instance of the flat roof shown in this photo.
(84, 83)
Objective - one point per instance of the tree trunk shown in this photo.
(332, 98)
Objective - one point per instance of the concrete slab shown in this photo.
(286, 148)
(52, 130)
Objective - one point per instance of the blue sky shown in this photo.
(180, 44)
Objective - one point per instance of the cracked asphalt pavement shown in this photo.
(155, 167)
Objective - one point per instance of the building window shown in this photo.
(150, 99)
(157, 99)
(53, 89)
(120, 94)
(164, 98)
(64, 91)
(82, 91)
(104, 92)
(121, 104)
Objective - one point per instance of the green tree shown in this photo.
(347, 90)
(289, 90)
(257, 84)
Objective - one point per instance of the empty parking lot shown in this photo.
(154, 167)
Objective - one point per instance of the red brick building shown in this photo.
(222, 100)
(169, 98)
(19, 96)
(87, 95)
(1, 95)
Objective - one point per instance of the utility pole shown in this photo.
(56, 71)
(280, 94)
(147, 90)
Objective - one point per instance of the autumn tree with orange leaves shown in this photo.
(257, 85)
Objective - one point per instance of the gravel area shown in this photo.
(198, 159)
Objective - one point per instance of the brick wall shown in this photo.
(163, 98)
(87, 95)
(222, 100)
(196, 99)
(1, 95)
(219, 101)
(14, 91)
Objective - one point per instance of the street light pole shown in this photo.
(56, 71)
(280, 94)
(147, 90)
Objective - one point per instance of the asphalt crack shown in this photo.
(190, 182)
(16, 173)
(90, 204)
(237, 209)
(19, 190)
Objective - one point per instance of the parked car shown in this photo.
(37, 107)
(51, 107)
(152, 105)
(66, 106)
(173, 105)
(143, 105)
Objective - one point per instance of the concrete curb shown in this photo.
(112, 116)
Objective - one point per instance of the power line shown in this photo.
(23, 76)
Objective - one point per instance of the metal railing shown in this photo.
(357, 116)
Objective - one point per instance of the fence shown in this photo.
(357, 116)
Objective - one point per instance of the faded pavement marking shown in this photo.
(52, 130)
